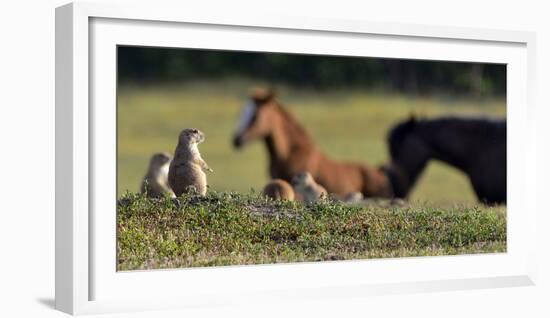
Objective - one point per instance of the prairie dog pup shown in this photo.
(278, 189)
(353, 197)
(187, 170)
(307, 188)
(155, 182)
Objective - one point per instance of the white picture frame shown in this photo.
(86, 278)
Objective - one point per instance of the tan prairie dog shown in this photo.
(187, 170)
(279, 189)
(306, 187)
(155, 183)
(354, 197)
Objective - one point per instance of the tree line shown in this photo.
(146, 64)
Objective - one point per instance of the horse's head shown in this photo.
(401, 138)
(409, 155)
(257, 117)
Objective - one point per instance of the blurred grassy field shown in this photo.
(347, 125)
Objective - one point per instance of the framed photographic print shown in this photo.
(206, 159)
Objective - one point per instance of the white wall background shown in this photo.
(27, 158)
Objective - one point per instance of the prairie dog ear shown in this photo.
(262, 95)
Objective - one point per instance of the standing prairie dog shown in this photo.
(187, 170)
(306, 187)
(155, 182)
(279, 189)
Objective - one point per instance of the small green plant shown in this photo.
(226, 228)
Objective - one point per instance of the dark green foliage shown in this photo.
(231, 229)
(138, 64)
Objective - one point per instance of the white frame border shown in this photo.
(72, 151)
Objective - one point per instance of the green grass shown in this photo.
(347, 125)
(232, 227)
(237, 229)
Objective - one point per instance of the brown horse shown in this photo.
(292, 150)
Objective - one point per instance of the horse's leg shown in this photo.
(479, 190)
(489, 186)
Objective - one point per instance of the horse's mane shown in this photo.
(399, 132)
(294, 128)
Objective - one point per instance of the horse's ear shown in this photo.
(412, 119)
(262, 95)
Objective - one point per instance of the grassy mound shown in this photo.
(235, 229)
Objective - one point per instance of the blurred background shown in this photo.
(347, 104)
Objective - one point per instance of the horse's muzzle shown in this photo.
(238, 142)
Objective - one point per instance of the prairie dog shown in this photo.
(307, 188)
(187, 170)
(279, 189)
(155, 182)
(353, 197)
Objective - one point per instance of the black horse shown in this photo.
(475, 146)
